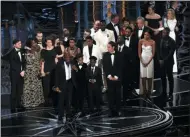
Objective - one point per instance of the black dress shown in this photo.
(48, 57)
(154, 23)
(58, 52)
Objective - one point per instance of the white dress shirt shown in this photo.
(120, 48)
(20, 56)
(140, 32)
(19, 53)
(127, 42)
(112, 59)
(67, 71)
(116, 28)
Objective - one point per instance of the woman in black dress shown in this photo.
(49, 60)
(154, 22)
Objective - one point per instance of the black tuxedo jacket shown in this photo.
(166, 50)
(127, 63)
(116, 68)
(111, 27)
(15, 63)
(133, 46)
(80, 75)
(72, 34)
(142, 36)
(60, 76)
(97, 75)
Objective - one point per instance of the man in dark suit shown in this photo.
(16, 58)
(67, 34)
(114, 25)
(64, 83)
(112, 66)
(131, 41)
(141, 28)
(81, 43)
(94, 78)
(165, 53)
(127, 68)
(80, 76)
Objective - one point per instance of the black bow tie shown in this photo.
(80, 64)
(115, 25)
(126, 38)
(112, 53)
(140, 29)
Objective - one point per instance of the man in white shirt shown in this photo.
(91, 50)
(103, 37)
(95, 28)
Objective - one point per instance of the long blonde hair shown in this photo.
(173, 13)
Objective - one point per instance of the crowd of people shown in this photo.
(65, 72)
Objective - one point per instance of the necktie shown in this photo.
(140, 29)
(115, 25)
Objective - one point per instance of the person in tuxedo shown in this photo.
(81, 83)
(141, 28)
(127, 68)
(91, 50)
(94, 78)
(64, 84)
(103, 36)
(114, 25)
(131, 41)
(165, 56)
(16, 58)
(112, 66)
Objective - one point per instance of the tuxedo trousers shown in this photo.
(167, 71)
(114, 95)
(16, 89)
(65, 98)
(94, 95)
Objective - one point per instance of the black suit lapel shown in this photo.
(16, 55)
(95, 71)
